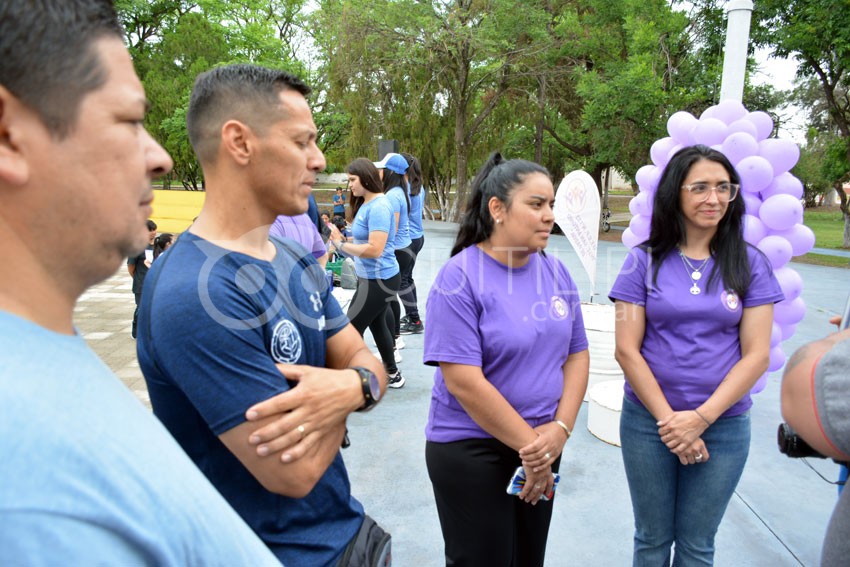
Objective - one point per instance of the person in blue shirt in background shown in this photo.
(339, 203)
(411, 323)
(375, 261)
(392, 170)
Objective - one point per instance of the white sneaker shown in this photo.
(399, 343)
(398, 357)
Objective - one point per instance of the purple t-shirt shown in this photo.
(300, 229)
(519, 325)
(691, 341)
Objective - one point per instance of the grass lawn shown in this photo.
(828, 225)
(826, 222)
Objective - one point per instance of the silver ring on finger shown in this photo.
(302, 431)
(547, 456)
(698, 457)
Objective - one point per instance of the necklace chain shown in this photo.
(695, 273)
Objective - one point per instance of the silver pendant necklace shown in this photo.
(695, 273)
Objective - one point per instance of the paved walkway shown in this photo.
(776, 518)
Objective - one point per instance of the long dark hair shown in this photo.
(393, 180)
(369, 179)
(414, 174)
(668, 223)
(160, 243)
(496, 178)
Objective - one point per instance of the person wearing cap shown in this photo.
(411, 323)
(393, 169)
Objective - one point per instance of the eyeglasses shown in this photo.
(725, 191)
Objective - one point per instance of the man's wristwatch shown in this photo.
(371, 387)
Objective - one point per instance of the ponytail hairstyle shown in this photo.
(496, 178)
(161, 243)
(393, 180)
(414, 174)
(667, 231)
(369, 179)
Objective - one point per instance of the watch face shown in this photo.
(375, 385)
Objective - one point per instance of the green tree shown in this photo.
(816, 33)
(172, 41)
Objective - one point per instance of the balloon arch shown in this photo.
(774, 213)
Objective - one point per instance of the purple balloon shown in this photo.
(729, 111)
(647, 176)
(754, 229)
(755, 172)
(801, 238)
(775, 334)
(781, 212)
(660, 149)
(763, 123)
(680, 125)
(752, 203)
(789, 312)
(786, 184)
(788, 331)
(777, 359)
(710, 112)
(640, 226)
(709, 131)
(674, 150)
(738, 146)
(782, 154)
(641, 205)
(777, 250)
(744, 126)
(790, 282)
(629, 238)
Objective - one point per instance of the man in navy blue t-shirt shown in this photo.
(231, 318)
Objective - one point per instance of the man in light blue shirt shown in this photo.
(88, 474)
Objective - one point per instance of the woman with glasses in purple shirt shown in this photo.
(506, 332)
(694, 308)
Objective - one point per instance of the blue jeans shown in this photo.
(674, 503)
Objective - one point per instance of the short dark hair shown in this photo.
(48, 55)
(248, 93)
(151, 225)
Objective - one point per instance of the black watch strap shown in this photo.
(371, 387)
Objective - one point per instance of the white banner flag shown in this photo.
(577, 209)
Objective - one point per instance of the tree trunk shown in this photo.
(845, 210)
(541, 118)
(596, 174)
(461, 151)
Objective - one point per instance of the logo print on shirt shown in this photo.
(559, 307)
(730, 300)
(286, 342)
(316, 300)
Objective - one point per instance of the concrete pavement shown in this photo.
(777, 517)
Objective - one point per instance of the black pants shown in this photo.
(368, 309)
(405, 260)
(482, 525)
(407, 291)
(136, 313)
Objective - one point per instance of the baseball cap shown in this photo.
(393, 162)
